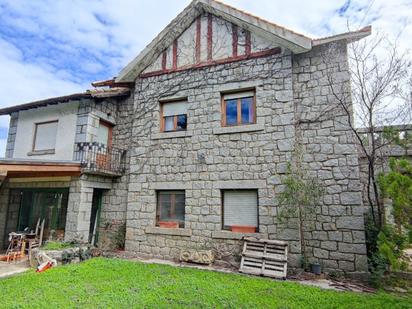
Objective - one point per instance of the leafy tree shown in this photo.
(301, 196)
(397, 185)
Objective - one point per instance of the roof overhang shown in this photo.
(26, 168)
(118, 92)
(297, 43)
(349, 37)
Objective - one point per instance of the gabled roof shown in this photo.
(297, 43)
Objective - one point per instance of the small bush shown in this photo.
(386, 255)
(119, 237)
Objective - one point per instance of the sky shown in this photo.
(58, 47)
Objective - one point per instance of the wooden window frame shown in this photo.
(36, 124)
(110, 126)
(172, 203)
(162, 118)
(222, 202)
(239, 109)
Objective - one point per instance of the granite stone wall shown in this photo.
(115, 189)
(330, 154)
(208, 158)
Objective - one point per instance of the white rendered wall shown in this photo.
(65, 113)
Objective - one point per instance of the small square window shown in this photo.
(238, 109)
(173, 116)
(170, 209)
(240, 210)
(45, 136)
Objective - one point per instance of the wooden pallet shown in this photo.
(264, 257)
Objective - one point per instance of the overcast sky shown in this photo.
(57, 47)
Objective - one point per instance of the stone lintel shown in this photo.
(167, 231)
(239, 184)
(239, 129)
(166, 135)
(232, 235)
(171, 186)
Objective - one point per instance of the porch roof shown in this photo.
(37, 168)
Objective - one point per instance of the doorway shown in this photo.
(95, 216)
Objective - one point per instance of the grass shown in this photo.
(57, 245)
(114, 283)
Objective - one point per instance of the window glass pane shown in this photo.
(49, 205)
(169, 123)
(247, 110)
(45, 138)
(231, 112)
(165, 207)
(180, 207)
(240, 207)
(171, 207)
(181, 122)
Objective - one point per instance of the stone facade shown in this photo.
(114, 189)
(330, 154)
(291, 91)
(208, 158)
(295, 113)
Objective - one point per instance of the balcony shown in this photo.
(96, 158)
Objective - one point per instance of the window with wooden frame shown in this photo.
(170, 212)
(238, 108)
(173, 116)
(105, 133)
(240, 210)
(45, 136)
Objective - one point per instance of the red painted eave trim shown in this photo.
(265, 53)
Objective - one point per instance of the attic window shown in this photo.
(173, 116)
(45, 136)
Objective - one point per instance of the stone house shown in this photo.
(188, 146)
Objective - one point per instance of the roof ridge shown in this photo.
(260, 18)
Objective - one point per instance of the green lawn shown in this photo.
(112, 283)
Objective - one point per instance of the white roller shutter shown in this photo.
(175, 108)
(103, 134)
(240, 207)
(45, 136)
(238, 95)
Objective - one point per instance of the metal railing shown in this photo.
(98, 158)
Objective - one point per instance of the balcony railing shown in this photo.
(99, 159)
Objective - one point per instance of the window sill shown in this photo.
(232, 235)
(166, 231)
(165, 135)
(239, 129)
(41, 152)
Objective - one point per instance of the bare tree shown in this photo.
(379, 96)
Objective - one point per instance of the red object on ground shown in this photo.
(243, 228)
(43, 267)
(169, 224)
